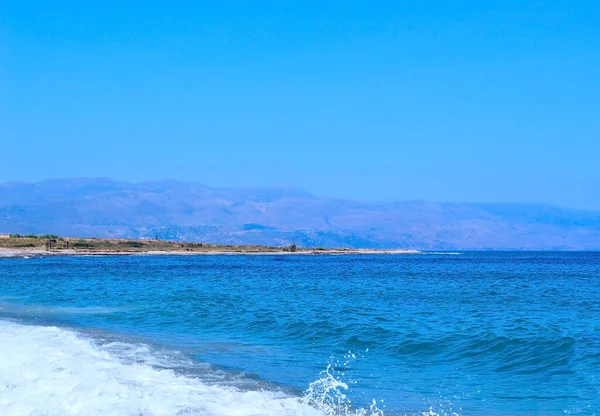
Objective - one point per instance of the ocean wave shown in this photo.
(52, 371)
(43, 310)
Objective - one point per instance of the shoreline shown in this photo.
(24, 253)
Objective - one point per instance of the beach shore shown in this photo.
(17, 245)
(10, 252)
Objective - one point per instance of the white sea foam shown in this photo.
(52, 371)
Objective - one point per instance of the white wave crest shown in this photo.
(52, 371)
(327, 395)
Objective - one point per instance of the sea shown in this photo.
(464, 333)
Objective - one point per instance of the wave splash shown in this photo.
(327, 395)
(52, 371)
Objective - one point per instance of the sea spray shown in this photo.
(327, 393)
(52, 371)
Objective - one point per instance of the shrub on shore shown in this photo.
(43, 236)
(17, 235)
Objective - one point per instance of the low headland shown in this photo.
(17, 245)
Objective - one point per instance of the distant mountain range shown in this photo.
(283, 215)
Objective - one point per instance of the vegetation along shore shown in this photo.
(48, 244)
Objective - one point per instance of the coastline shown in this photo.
(24, 253)
(16, 245)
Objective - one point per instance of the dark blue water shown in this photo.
(472, 334)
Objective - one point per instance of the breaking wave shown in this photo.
(52, 371)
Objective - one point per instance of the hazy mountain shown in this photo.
(282, 215)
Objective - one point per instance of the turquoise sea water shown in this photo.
(468, 334)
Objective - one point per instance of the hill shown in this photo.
(185, 211)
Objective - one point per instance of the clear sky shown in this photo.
(483, 101)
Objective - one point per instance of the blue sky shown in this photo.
(494, 101)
